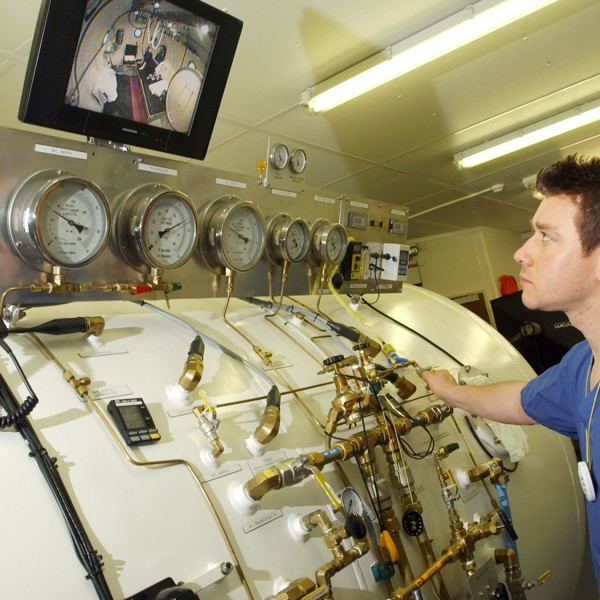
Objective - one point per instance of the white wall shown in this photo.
(471, 260)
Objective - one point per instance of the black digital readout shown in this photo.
(133, 420)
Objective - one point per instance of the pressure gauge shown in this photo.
(157, 227)
(287, 239)
(352, 502)
(279, 156)
(234, 232)
(298, 160)
(58, 219)
(328, 242)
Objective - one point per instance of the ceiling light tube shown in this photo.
(527, 136)
(497, 187)
(462, 28)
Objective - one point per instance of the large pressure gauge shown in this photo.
(288, 239)
(328, 242)
(157, 227)
(58, 219)
(233, 232)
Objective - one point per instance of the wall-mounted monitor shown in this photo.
(150, 73)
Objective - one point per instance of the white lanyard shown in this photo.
(584, 468)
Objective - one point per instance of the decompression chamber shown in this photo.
(300, 454)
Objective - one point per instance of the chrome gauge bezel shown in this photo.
(288, 239)
(47, 222)
(279, 156)
(139, 241)
(323, 237)
(221, 235)
(298, 161)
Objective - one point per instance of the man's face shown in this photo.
(555, 275)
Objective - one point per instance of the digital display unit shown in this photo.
(150, 73)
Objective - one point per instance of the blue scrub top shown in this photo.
(561, 400)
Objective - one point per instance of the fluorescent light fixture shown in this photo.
(532, 134)
(497, 187)
(462, 28)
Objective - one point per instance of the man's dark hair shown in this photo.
(579, 178)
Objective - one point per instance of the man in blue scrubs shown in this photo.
(560, 271)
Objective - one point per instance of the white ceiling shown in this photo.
(395, 144)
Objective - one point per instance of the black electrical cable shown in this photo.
(452, 357)
(377, 509)
(89, 558)
(375, 267)
(16, 416)
(426, 339)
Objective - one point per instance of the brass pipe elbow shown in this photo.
(192, 373)
(268, 427)
(515, 581)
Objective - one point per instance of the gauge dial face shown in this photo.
(335, 245)
(72, 224)
(289, 239)
(279, 156)
(168, 230)
(61, 220)
(298, 160)
(329, 242)
(297, 240)
(235, 231)
(243, 238)
(352, 502)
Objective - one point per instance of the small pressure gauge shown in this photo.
(279, 156)
(232, 234)
(157, 227)
(328, 242)
(288, 239)
(352, 502)
(298, 160)
(56, 218)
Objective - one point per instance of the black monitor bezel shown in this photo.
(53, 52)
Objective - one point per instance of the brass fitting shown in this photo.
(80, 385)
(281, 475)
(194, 366)
(494, 469)
(268, 427)
(296, 590)
(512, 570)
(209, 429)
(192, 372)
(373, 349)
(405, 387)
(346, 362)
(94, 325)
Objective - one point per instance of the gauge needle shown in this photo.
(245, 239)
(72, 223)
(164, 232)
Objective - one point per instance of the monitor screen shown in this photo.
(150, 73)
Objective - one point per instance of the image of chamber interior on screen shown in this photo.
(142, 61)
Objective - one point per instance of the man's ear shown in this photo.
(596, 261)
